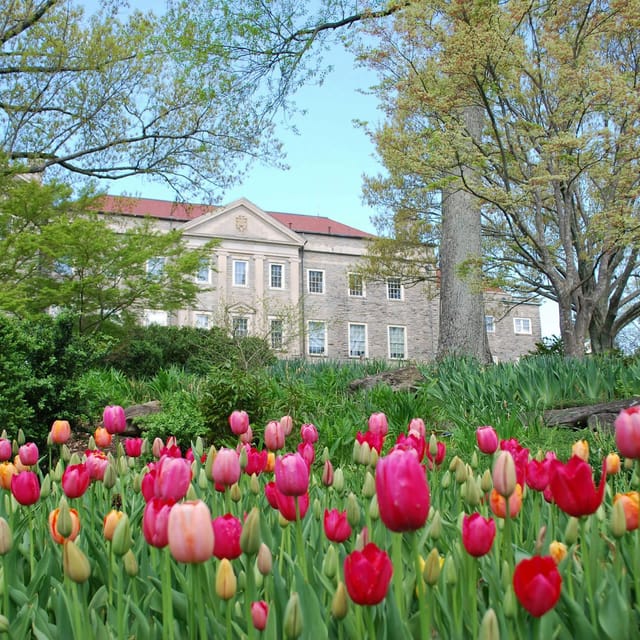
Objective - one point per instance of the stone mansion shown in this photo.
(294, 280)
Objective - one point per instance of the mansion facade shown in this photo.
(293, 279)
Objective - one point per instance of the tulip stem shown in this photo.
(425, 631)
(586, 563)
(119, 606)
(371, 629)
(300, 541)
(249, 594)
(32, 559)
(5, 578)
(167, 603)
(396, 552)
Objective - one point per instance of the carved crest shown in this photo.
(241, 223)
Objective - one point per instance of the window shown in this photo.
(276, 276)
(315, 280)
(357, 340)
(240, 327)
(356, 285)
(240, 271)
(156, 317)
(397, 343)
(394, 289)
(317, 338)
(276, 333)
(202, 275)
(202, 320)
(489, 323)
(522, 326)
(155, 267)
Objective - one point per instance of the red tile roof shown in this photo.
(183, 212)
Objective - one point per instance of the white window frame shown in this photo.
(404, 336)
(309, 272)
(350, 290)
(490, 324)
(234, 328)
(204, 265)
(276, 347)
(202, 315)
(271, 266)
(234, 274)
(157, 317)
(155, 266)
(323, 325)
(393, 281)
(522, 326)
(365, 346)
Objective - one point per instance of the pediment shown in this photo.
(240, 309)
(242, 220)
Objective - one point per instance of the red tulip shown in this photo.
(520, 457)
(155, 522)
(274, 436)
(226, 467)
(478, 534)
(292, 474)
(256, 460)
(239, 422)
(226, 537)
(60, 431)
(113, 419)
(271, 493)
(190, 532)
(374, 440)
(28, 454)
(487, 439)
(133, 447)
(367, 574)
(173, 477)
(572, 486)
(287, 505)
(259, 614)
(403, 492)
(538, 472)
(309, 433)
(25, 487)
(537, 584)
(378, 423)
(627, 426)
(6, 451)
(412, 441)
(336, 525)
(75, 480)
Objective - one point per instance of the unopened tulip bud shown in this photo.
(445, 483)
(506, 574)
(340, 602)
(157, 447)
(21, 438)
(226, 583)
(432, 568)
(558, 551)
(198, 448)
(121, 541)
(209, 462)
(571, 531)
(254, 484)
(364, 453)
(75, 458)
(510, 606)
(234, 492)
(613, 463)
(317, 509)
(629, 463)
(327, 473)
(91, 445)
(264, 561)
(203, 482)
(330, 562)
(374, 456)
(504, 474)
(250, 536)
(369, 486)
(374, 508)
(58, 470)
(433, 445)
(461, 472)
(293, 617)
(282, 521)
(540, 540)
(453, 463)
(65, 453)
(45, 487)
(122, 466)
(489, 628)
(130, 564)
(110, 477)
(435, 528)
(472, 494)
(362, 539)
(486, 482)
(136, 483)
(4, 624)
(474, 460)
(618, 520)
(75, 563)
(450, 571)
(353, 510)
(243, 458)
(64, 524)
(6, 537)
(338, 479)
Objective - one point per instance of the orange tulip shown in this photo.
(53, 529)
(498, 503)
(580, 448)
(271, 461)
(631, 505)
(19, 465)
(60, 431)
(558, 551)
(613, 463)
(102, 437)
(7, 469)
(111, 522)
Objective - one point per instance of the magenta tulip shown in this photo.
(113, 419)
(75, 480)
(336, 525)
(190, 532)
(478, 534)
(307, 451)
(155, 522)
(487, 439)
(367, 574)
(290, 507)
(226, 537)
(173, 477)
(292, 474)
(309, 433)
(28, 454)
(239, 422)
(133, 447)
(6, 451)
(627, 426)
(25, 487)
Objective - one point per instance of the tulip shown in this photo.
(226, 536)
(6, 537)
(239, 422)
(75, 563)
(259, 614)
(113, 419)
(308, 453)
(631, 506)
(478, 534)
(504, 474)
(110, 523)
(372, 439)
(432, 567)
(402, 490)
(537, 584)
(520, 458)
(25, 487)
(75, 480)
(287, 505)
(121, 541)
(336, 526)
(226, 581)
(580, 448)
(19, 465)
(627, 426)
(226, 467)
(264, 560)
(340, 602)
(378, 423)
(572, 486)
(256, 460)
(96, 464)
(558, 551)
(157, 447)
(309, 433)
(412, 441)
(292, 475)
(292, 624)
(246, 437)
(133, 447)
(6, 450)
(56, 535)
(7, 471)
(60, 431)
(155, 522)
(613, 463)
(286, 422)
(498, 503)
(367, 574)
(417, 428)
(190, 532)
(28, 454)
(102, 437)
(487, 439)
(172, 478)
(250, 541)
(538, 474)
(327, 473)
(489, 627)
(274, 436)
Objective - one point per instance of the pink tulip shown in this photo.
(226, 467)
(336, 525)
(75, 480)
(28, 454)
(133, 447)
(292, 474)
(417, 425)
(487, 439)
(286, 422)
(627, 426)
(327, 473)
(504, 474)
(155, 522)
(25, 487)
(190, 533)
(148, 484)
(6, 451)
(113, 419)
(478, 534)
(259, 614)
(239, 422)
(173, 477)
(96, 464)
(247, 436)
(309, 433)
(226, 537)
(378, 424)
(308, 453)
(274, 436)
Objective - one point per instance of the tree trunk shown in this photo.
(462, 326)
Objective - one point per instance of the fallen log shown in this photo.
(590, 416)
